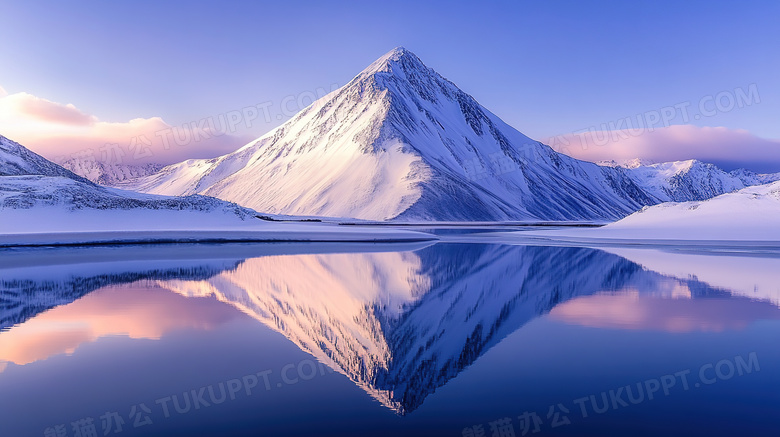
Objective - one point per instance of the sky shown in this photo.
(670, 80)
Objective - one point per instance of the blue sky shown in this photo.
(546, 68)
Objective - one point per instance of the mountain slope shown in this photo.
(108, 174)
(401, 142)
(36, 191)
(17, 160)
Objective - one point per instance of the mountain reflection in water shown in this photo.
(399, 324)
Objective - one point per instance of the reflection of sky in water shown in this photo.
(629, 311)
(448, 336)
(129, 311)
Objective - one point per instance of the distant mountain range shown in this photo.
(682, 181)
(103, 173)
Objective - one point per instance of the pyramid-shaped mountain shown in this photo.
(400, 141)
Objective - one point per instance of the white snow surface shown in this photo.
(44, 210)
(401, 142)
(750, 214)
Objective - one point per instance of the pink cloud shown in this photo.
(137, 141)
(48, 111)
(59, 132)
(726, 147)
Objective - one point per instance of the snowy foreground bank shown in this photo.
(284, 233)
(270, 233)
(750, 215)
(53, 226)
(56, 210)
(113, 228)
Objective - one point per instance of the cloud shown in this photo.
(62, 131)
(3, 92)
(47, 111)
(727, 148)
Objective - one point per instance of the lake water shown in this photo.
(450, 339)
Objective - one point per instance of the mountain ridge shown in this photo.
(17, 160)
(691, 180)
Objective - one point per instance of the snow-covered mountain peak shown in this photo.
(399, 58)
(399, 52)
(401, 141)
(626, 163)
(402, 66)
(687, 164)
(678, 167)
(636, 162)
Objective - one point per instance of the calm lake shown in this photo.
(451, 339)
